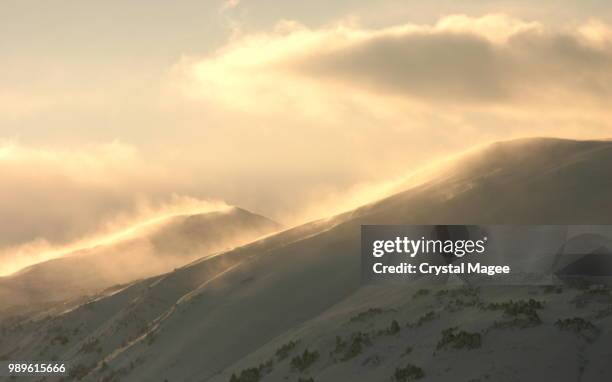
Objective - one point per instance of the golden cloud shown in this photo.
(493, 60)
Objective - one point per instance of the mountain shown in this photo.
(298, 293)
(170, 243)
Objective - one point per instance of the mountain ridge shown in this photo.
(172, 243)
(207, 311)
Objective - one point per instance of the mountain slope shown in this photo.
(201, 320)
(171, 243)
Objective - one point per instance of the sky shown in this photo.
(116, 112)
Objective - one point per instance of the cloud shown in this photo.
(489, 60)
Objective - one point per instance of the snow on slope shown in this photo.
(200, 321)
(509, 347)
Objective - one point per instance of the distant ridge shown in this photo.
(173, 243)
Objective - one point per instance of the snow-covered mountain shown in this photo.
(295, 298)
(169, 243)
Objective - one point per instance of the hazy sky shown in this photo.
(112, 111)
